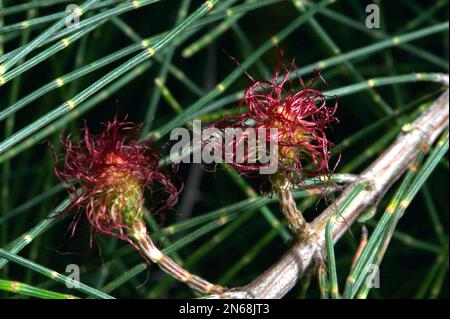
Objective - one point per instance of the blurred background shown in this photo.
(237, 248)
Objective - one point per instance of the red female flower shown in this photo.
(301, 119)
(112, 170)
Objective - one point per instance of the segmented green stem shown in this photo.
(328, 41)
(61, 45)
(239, 213)
(29, 23)
(67, 78)
(2, 22)
(380, 239)
(167, 95)
(222, 86)
(218, 14)
(433, 212)
(121, 70)
(249, 191)
(364, 51)
(18, 244)
(377, 34)
(162, 75)
(52, 128)
(331, 260)
(209, 37)
(322, 279)
(29, 5)
(249, 256)
(441, 263)
(411, 241)
(32, 202)
(43, 36)
(16, 287)
(49, 273)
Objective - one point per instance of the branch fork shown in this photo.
(381, 175)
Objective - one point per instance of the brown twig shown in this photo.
(153, 254)
(296, 222)
(380, 175)
(362, 245)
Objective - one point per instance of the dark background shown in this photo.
(405, 267)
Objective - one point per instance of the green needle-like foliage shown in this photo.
(167, 63)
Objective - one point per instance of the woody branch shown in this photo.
(380, 175)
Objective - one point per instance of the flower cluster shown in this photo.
(300, 119)
(108, 173)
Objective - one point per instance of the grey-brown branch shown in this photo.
(380, 175)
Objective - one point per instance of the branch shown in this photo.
(380, 175)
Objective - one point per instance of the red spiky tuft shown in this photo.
(301, 119)
(107, 175)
